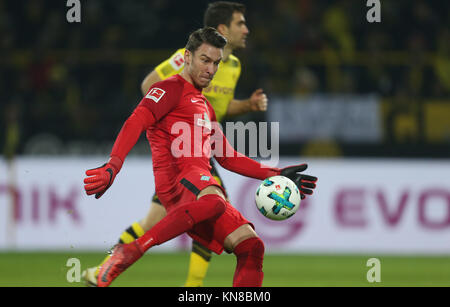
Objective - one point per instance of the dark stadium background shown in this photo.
(72, 84)
(66, 88)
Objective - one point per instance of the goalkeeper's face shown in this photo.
(202, 64)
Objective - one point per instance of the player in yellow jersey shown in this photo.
(228, 18)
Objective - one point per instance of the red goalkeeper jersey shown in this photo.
(181, 134)
(180, 125)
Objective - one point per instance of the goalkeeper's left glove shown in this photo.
(305, 183)
(101, 178)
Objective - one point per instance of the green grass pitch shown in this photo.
(170, 269)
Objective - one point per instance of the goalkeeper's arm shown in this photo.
(236, 162)
(101, 178)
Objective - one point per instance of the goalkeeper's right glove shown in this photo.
(101, 178)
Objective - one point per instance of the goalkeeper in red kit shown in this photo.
(194, 200)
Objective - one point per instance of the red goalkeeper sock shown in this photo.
(250, 255)
(182, 219)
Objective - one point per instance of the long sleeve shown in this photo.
(139, 121)
(236, 162)
(159, 101)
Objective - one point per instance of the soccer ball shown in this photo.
(277, 198)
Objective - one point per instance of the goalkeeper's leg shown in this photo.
(209, 206)
(135, 231)
(200, 255)
(199, 259)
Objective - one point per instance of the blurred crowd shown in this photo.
(79, 81)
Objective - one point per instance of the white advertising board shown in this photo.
(360, 206)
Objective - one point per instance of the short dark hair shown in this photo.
(205, 35)
(221, 12)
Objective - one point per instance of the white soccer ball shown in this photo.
(277, 198)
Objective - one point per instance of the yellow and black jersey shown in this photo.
(221, 89)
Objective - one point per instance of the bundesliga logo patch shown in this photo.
(155, 94)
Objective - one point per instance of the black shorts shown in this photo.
(214, 172)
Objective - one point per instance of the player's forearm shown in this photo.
(238, 107)
(236, 162)
(128, 136)
(148, 81)
(245, 166)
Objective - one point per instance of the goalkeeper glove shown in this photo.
(101, 178)
(305, 183)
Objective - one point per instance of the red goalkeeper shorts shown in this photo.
(211, 233)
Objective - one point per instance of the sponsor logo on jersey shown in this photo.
(196, 100)
(155, 94)
(177, 61)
